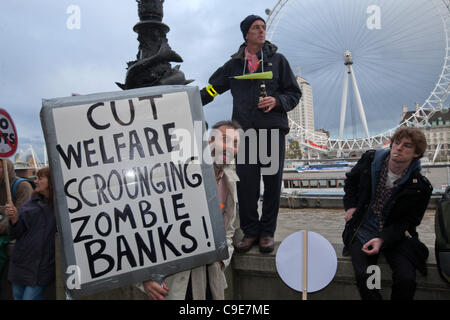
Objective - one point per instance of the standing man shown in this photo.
(264, 113)
(385, 200)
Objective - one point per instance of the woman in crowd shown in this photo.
(32, 265)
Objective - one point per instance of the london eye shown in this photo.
(364, 60)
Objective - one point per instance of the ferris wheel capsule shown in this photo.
(348, 58)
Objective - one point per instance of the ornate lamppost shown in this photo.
(152, 66)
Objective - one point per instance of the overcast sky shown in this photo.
(41, 58)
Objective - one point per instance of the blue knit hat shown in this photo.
(247, 23)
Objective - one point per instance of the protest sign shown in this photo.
(306, 262)
(8, 146)
(129, 206)
(8, 135)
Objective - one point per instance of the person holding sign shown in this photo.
(260, 104)
(32, 265)
(21, 193)
(208, 282)
(385, 199)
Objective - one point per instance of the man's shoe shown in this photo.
(266, 244)
(246, 244)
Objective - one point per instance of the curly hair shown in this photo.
(417, 138)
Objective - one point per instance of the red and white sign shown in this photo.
(8, 135)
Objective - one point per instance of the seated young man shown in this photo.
(385, 199)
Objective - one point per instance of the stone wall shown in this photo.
(254, 276)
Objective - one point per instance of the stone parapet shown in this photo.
(254, 276)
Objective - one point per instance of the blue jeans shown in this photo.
(21, 292)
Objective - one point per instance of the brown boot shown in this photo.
(266, 244)
(245, 244)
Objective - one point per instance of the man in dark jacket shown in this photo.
(263, 114)
(385, 200)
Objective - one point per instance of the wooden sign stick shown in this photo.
(305, 265)
(6, 176)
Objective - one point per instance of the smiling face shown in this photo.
(403, 150)
(224, 144)
(256, 35)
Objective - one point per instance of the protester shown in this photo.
(20, 195)
(208, 282)
(32, 265)
(258, 109)
(385, 200)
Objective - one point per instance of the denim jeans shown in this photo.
(21, 292)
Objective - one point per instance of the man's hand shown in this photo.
(11, 213)
(373, 246)
(155, 290)
(349, 214)
(267, 104)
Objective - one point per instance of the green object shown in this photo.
(253, 76)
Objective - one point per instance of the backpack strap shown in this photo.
(14, 187)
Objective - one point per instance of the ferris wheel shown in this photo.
(364, 60)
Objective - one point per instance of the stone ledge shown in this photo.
(298, 201)
(254, 276)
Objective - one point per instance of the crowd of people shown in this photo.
(29, 227)
(385, 194)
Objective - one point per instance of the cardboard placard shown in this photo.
(8, 135)
(130, 206)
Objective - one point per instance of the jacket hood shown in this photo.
(269, 50)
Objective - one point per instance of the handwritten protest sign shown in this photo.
(129, 207)
(8, 135)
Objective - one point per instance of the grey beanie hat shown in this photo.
(247, 23)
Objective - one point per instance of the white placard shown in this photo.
(132, 203)
(322, 261)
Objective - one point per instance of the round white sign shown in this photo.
(321, 261)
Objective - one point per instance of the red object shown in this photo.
(7, 129)
(316, 145)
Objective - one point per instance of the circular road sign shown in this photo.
(8, 135)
